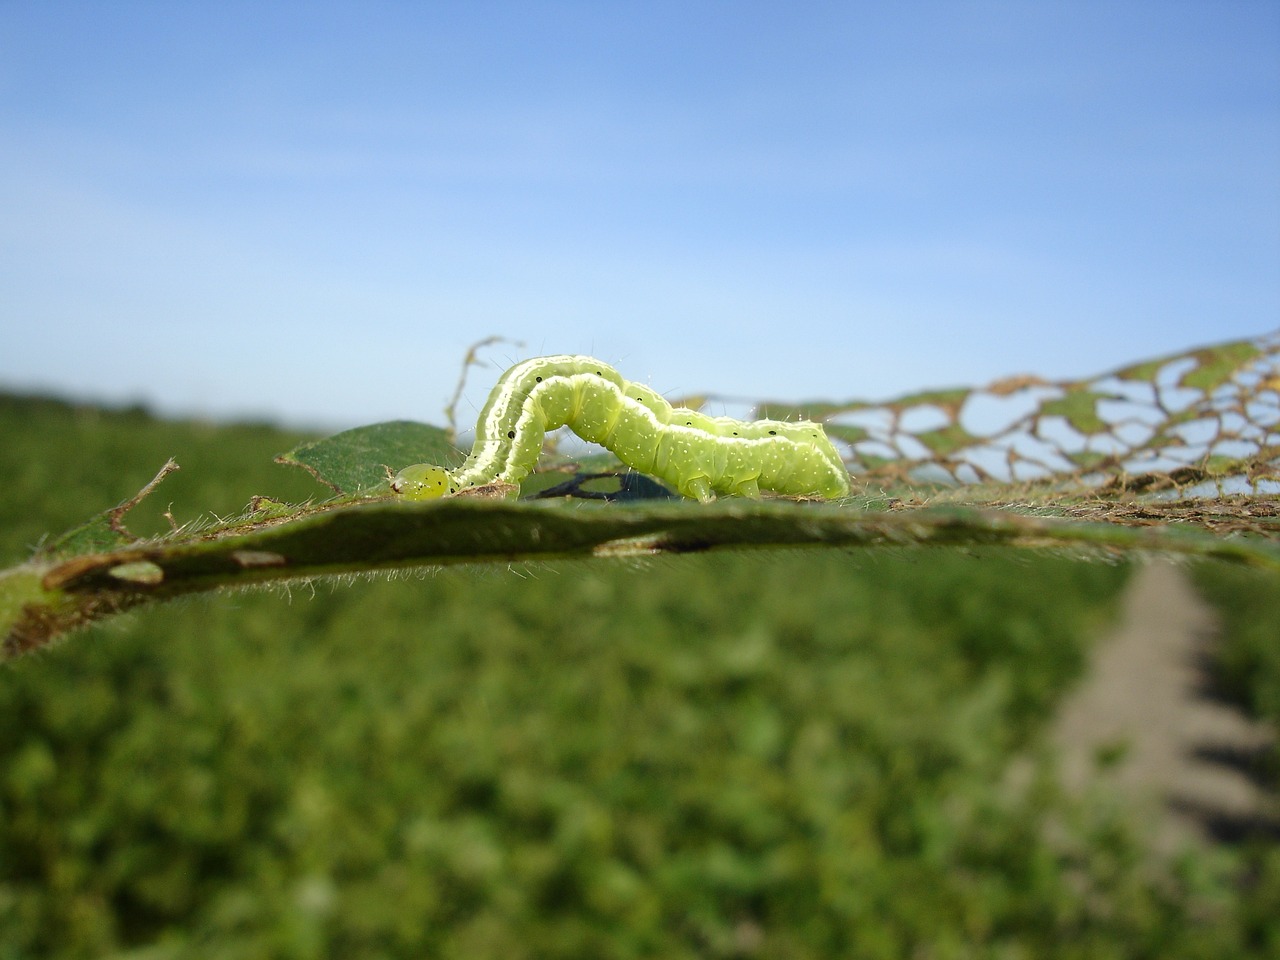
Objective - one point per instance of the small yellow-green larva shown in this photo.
(701, 456)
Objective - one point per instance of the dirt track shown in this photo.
(1177, 753)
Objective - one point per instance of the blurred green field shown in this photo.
(794, 755)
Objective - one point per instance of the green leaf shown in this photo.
(21, 591)
(1080, 409)
(946, 440)
(1087, 459)
(356, 461)
(377, 534)
(386, 533)
(848, 432)
(106, 531)
(1220, 465)
(1145, 372)
(949, 398)
(1216, 365)
(94, 536)
(871, 461)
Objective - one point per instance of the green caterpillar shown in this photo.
(700, 456)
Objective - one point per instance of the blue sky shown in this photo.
(307, 212)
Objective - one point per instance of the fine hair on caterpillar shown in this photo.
(701, 456)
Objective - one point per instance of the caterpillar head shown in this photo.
(422, 481)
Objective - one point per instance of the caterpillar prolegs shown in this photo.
(701, 456)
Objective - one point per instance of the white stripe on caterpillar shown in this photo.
(699, 455)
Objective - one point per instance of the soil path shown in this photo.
(1178, 754)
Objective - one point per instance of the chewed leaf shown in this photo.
(1080, 409)
(98, 535)
(1088, 459)
(951, 398)
(1217, 365)
(106, 531)
(1145, 372)
(354, 461)
(1025, 427)
(946, 439)
(848, 432)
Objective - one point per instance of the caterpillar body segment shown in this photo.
(701, 456)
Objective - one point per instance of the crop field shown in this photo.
(783, 754)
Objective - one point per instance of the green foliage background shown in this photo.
(798, 755)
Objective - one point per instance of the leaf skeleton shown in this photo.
(701, 456)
